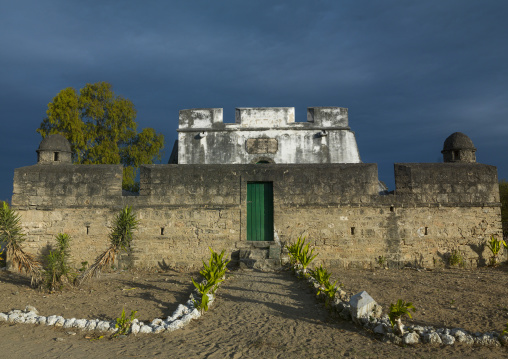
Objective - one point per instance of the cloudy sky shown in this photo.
(410, 72)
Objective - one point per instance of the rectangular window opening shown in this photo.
(162, 231)
(392, 209)
(352, 231)
(426, 230)
(87, 230)
(55, 156)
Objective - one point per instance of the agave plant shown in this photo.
(12, 237)
(495, 247)
(330, 290)
(306, 257)
(321, 275)
(57, 267)
(124, 323)
(398, 311)
(120, 239)
(215, 270)
(295, 250)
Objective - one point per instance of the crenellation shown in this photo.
(202, 118)
(328, 117)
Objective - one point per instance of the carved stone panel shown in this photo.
(261, 145)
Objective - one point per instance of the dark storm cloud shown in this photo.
(410, 72)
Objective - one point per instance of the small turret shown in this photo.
(459, 148)
(54, 149)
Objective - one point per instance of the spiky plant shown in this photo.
(306, 257)
(120, 239)
(495, 247)
(11, 237)
(294, 250)
(398, 311)
(57, 267)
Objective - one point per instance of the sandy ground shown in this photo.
(257, 315)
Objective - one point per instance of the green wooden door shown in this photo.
(260, 211)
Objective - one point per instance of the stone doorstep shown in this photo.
(253, 254)
(255, 244)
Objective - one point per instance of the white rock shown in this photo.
(432, 338)
(156, 322)
(458, 331)
(80, 323)
(51, 320)
(158, 329)
(31, 309)
(145, 329)
(135, 328)
(3, 317)
(32, 319)
(177, 324)
(69, 323)
(362, 305)
(59, 321)
(41, 320)
(447, 339)
(180, 310)
(463, 337)
(91, 325)
(411, 338)
(487, 340)
(195, 314)
(13, 317)
(186, 319)
(102, 326)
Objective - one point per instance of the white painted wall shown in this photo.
(325, 138)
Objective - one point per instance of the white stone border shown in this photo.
(182, 316)
(414, 334)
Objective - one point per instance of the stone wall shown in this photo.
(184, 209)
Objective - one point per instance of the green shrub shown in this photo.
(456, 259)
(213, 273)
(123, 324)
(495, 247)
(306, 257)
(320, 274)
(295, 250)
(57, 267)
(398, 311)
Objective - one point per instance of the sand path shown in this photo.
(257, 315)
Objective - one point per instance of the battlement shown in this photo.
(263, 117)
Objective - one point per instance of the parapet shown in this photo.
(200, 118)
(264, 117)
(328, 116)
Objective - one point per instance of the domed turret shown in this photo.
(54, 149)
(459, 148)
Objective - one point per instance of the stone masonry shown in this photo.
(185, 208)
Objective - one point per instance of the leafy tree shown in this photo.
(101, 128)
(503, 194)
